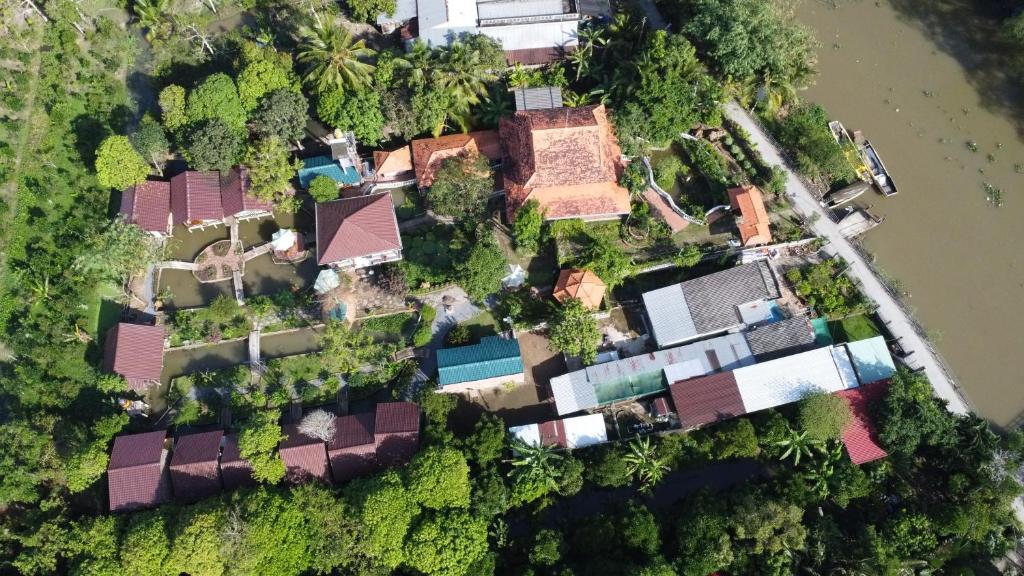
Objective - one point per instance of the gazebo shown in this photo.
(581, 284)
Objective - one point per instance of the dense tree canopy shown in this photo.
(461, 188)
(118, 164)
(574, 331)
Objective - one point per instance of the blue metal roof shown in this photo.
(324, 166)
(492, 357)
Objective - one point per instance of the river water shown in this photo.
(922, 79)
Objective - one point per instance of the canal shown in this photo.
(927, 82)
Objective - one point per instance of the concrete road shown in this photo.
(920, 353)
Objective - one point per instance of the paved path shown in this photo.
(178, 265)
(920, 354)
(462, 309)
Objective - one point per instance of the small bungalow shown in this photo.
(196, 199)
(396, 431)
(572, 433)
(394, 167)
(493, 362)
(357, 232)
(305, 458)
(429, 153)
(195, 469)
(583, 285)
(148, 206)
(235, 471)
(136, 353)
(353, 449)
(137, 472)
(235, 197)
(567, 159)
(751, 216)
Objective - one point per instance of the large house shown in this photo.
(567, 159)
(357, 232)
(136, 353)
(429, 153)
(751, 216)
(137, 472)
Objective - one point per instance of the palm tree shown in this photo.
(536, 463)
(335, 59)
(495, 107)
(418, 62)
(464, 78)
(644, 462)
(798, 445)
(152, 17)
(582, 57)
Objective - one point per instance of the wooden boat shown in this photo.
(844, 195)
(879, 174)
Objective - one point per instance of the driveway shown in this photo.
(458, 310)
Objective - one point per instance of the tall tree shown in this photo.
(257, 442)
(334, 59)
(282, 113)
(118, 165)
(213, 145)
(271, 168)
(574, 331)
(151, 142)
(172, 107)
(216, 98)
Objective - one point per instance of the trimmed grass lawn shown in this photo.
(853, 328)
(104, 309)
(483, 324)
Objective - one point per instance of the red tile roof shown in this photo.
(235, 471)
(234, 194)
(533, 56)
(353, 227)
(706, 399)
(860, 436)
(195, 473)
(136, 474)
(395, 417)
(393, 161)
(136, 352)
(565, 158)
(753, 222)
(354, 430)
(148, 206)
(304, 458)
(429, 153)
(353, 450)
(195, 197)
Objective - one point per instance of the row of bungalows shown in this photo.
(145, 470)
(193, 199)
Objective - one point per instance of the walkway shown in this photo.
(254, 347)
(178, 265)
(920, 353)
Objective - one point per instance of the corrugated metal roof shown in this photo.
(510, 9)
(707, 399)
(788, 379)
(528, 433)
(871, 359)
(845, 367)
(782, 338)
(669, 315)
(713, 299)
(583, 431)
(195, 473)
(492, 357)
(538, 98)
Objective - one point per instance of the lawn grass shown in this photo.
(483, 324)
(104, 309)
(853, 328)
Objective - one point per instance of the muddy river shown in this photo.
(925, 83)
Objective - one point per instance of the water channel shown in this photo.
(923, 79)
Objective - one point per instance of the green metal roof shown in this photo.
(492, 357)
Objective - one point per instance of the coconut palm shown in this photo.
(418, 62)
(152, 15)
(335, 59)
(463, 77)
(495, 107)
(798, 445)
(644, 462)
(536, 463)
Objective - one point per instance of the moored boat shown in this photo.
(844, 195)
(879, 174)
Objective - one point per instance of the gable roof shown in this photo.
(135, 472)
(234, 193)
(352, 430)
(397, 418)
(235, 471)
(860, 436)
(492, 357)
(393, 161)
(195, 197)
(304, 458)
(135, 352)
(706, 399)
(565, 158)
(353, 227)
(429, 153)
(792, 378)
(581, 284)
(782, 338)
(148, 206)
(753, 223)
(195, 472)
(325, 166)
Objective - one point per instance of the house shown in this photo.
(725, 301)
(782, 338)
(353, 449)
(305, 458)
(752, 219)
(196, 199)
(137, 472)
(195, 468)
(860, 436)
(148, 206)
(357, 232)
(583, 285)
(396, 431)
(235, 471)
(136, 353)
(534, 32)
(646, 374)
(495, 361)
(235, 197)
(567, 159)
(572, 433)
(394, 166)
(429, 153)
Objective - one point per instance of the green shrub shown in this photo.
(459, 335)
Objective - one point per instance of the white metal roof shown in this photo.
(517, 8)
(845, 367)
(583, 431)
(405, 10)
(788, 379)
(573, 392)
(528, 433)
(755, 312)
(671, 322)
(534, 35)
(871, 359)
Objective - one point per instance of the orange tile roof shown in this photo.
(565, 158)
(428, 153)
(753, 225)
(581, 284)
(393, 161)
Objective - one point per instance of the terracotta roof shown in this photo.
(706, 399)
(353, 227)
(429, 153)
(304, 458)
(581, 284)
(753, 222)
(195, 197)
(195, 473)
(565, 158)
(353, 450)
(135, 352)
(135, 474)
(148, 206)
(532, 56)
(860, 436)
(393, 161)
(234, 193)
(396, 432)
(235, 471)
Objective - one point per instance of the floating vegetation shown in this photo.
(972, 145)
(1018, 168)
(993, 195)
(990, 157)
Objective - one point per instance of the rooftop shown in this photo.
(429, 153)
(352, 430)
(782, 338)
(234, 193)
(753, 221)
(196, 197)
(706, 399)
(494, 356)
(871, 359)
(393, 161)
(305, 458)
(860, 436)
(581, 284)
(354, 227)
(575, 432)
(135, 472)
(791, 378)
(195, 471)
(148, 206)
(397, 418)
(136, 353)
